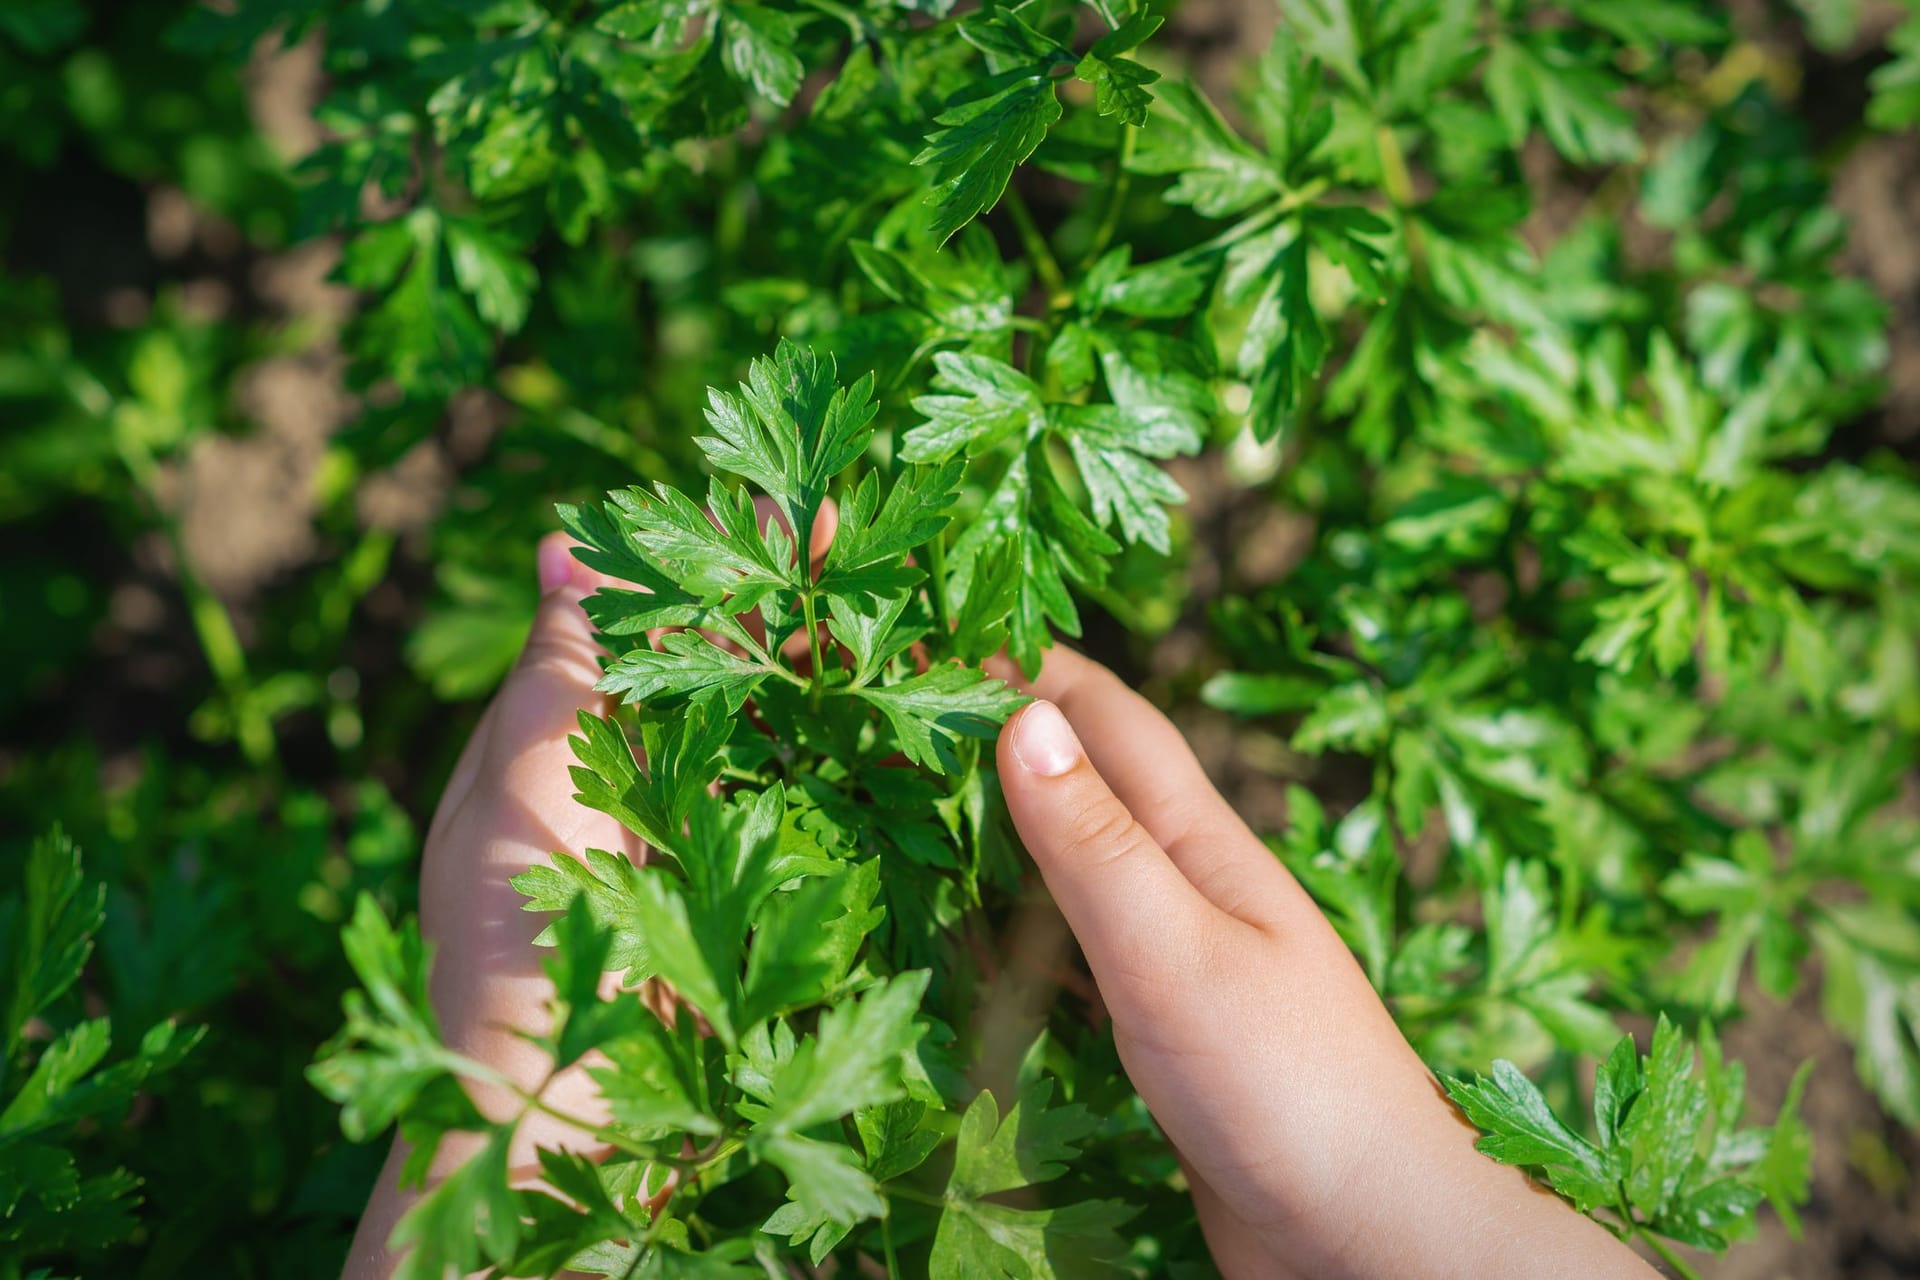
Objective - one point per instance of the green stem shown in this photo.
(212, 624)
(1116, 195)
(1305, 194)
(886, 1246)
(1397, 179)
(1669, 1257)
(844, 14)
(535, 1102)
(937, 570)
(1036, 246)
(817, 684)
(900, 1192)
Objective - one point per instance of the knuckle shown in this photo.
(1102, 834)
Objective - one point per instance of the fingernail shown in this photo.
(1044, 742)
(556, 564)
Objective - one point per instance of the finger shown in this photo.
(509, 807)
(1138, 919)
(1154, 772)
(550, 682)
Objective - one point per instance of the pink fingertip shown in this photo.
(1044, 742)
(556, 564)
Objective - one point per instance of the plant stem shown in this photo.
(1397, 179)
(1036, 246)
(852, 20)
(1116, 195)
(1669, 1257)
(212, 624)
(816, 684)
(886, 1246)
(1304, 194)
(915, 1195)
(937, 571)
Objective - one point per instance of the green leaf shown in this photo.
(1574, 103)
(757, 45)
(1218, 173)
(1740, 894)
(735, 855)
(896, 1137)
(1896, 83)
(687, 665)
(559, 1231)
(1112, 448)
(470, 1218)
(1649, 24)
(990, 402)
(1120, 84)
(790, 430)
(390, 1050)
(1518, 1126)
(986, 1240)
(582, 1021)
(1870, 966)
(828, 1192)
(1673, 1158)
(608, 537)
(852, 1061)
(652, 1083)
(1785, 1172)
(1285, 342)
(52, 932)
(928, 711)
(1029, 1146)
(716, 554)
(494, 272)
(1330, 31)
(806, 939)
(1616, 1087)
(873, 637)
(1028, 514)
(1661, 1129)
(683, 758)
(986, 132)
(608, 885)
(874, 538)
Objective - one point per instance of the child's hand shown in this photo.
(1316, 1142)
(507, 805)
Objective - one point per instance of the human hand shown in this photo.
(508, 805)
(1315, 1141)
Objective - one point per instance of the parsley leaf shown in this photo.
(1026, 1147)
(929, 710)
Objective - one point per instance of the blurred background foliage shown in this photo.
(309, 315)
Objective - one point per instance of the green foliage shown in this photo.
(53, 1084)
(1672, 1158)
(764, 907)
(1594, 682)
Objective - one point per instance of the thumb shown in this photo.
(522, 738)
(1133, 912)
(559, 663)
